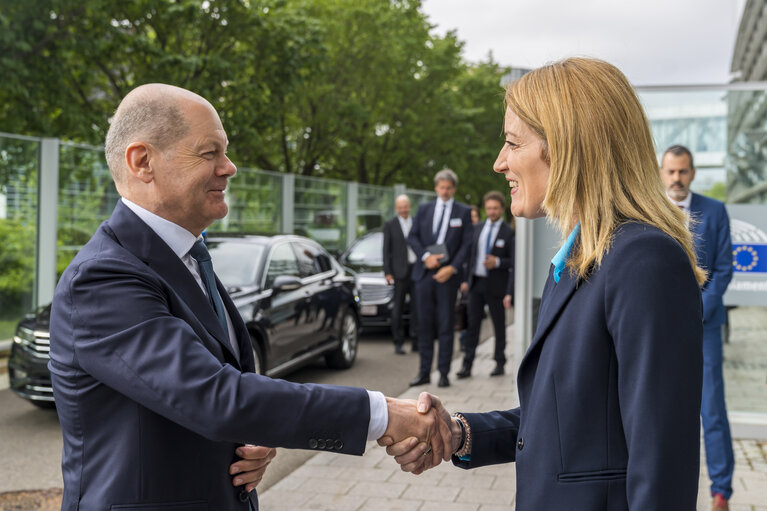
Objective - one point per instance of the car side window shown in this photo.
(283, 262)
(311, 259)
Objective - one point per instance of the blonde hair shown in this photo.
(603, 168)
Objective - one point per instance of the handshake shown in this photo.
(420, 434)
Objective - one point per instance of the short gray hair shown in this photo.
(158, 121)
(446, 175)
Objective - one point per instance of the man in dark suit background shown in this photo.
(151, 364)
(398, 259)
(442, 226)
(711, 229)
(487, 280)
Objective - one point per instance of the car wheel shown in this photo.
(343, 357)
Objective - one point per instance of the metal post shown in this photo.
(523, 288)
(352, 192)
(288, 203)
(47, 221)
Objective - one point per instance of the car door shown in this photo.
(317, 275)
(285, 308)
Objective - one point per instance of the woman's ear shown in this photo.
(138, 156)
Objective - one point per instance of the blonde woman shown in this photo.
(610, 387)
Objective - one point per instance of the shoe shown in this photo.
(398, 349)
(443, 381)
(498, 371)
(719, 503)
(463, 373)
(421, 379)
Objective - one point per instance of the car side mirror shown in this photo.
(286, 283)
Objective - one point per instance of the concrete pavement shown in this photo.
(373, 482)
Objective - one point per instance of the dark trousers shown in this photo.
(436, 315)
(402, 288)
(713, 413)
(478, 297)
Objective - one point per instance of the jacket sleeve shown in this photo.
(512, 256)
(414, 237)
(387, 249)
(493, 438)
(720, 273)
(653, 313)
(153, 356)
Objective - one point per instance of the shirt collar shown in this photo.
(560, 258)
(685, 203)
(446, 203)
(176, 237)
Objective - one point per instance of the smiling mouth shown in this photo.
(513, 184)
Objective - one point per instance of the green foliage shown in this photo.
(17, 261)
(718, 191)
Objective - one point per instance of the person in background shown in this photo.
(475, 219)
(710, 226)
(486, 281)
(444, 227)
(398, 260)
(610, 387)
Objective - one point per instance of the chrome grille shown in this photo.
(375, 293)
(33, 341)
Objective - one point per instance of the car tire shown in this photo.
(258, 356)
(343, 357)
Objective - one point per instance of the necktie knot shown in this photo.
(200, 252)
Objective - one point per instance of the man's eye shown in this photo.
(209, 155)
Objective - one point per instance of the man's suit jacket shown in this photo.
(610, 387)
(151, 400)
(503, 248)
(457, 238)
(711, 230)
(395, 249)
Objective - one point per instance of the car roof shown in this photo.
(260, 239)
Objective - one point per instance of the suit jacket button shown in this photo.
(244, 495)
(339, 445)
(520, 443)
(320, 444)
(329, 444)
(312, 443)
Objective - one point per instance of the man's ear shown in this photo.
(138, 156)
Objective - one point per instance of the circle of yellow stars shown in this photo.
(754, 258)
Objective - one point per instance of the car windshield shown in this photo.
(367, 251)
(235, 261)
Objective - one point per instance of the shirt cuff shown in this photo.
(379, 415)
(425, 255)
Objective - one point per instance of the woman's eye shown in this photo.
(511, 144)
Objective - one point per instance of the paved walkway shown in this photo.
(373, 482)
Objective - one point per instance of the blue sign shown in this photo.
(749, 257)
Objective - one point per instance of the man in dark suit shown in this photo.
(398, 260)
(711, 229)
(151, 364)
(442, 227)
(486, 281)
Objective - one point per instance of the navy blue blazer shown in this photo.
(711, 230)
(152, 402)
(457, 238)
(610, 387)
(503, 248)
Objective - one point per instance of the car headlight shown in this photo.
(24, 336)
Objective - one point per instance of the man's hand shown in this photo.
(491, 262)
(432, 261)
(444, 274)
(250, 469)
(423, 431)
(464, 287)
(409, 453)
(389, 279)
(507, 301)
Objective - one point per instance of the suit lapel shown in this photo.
(241, 334)
(144, 243)
(555, 297)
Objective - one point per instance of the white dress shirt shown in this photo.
(406, 224)
(180, 242)
(490, 229)
(445, 219)
(684, 205)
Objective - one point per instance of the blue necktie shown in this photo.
(200, 253)
(489, 245)
(435, 233)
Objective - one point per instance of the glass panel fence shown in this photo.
(321, 210)
(375, 205)
(254, 199)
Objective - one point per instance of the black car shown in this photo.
(297, 302)
(364, 259)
